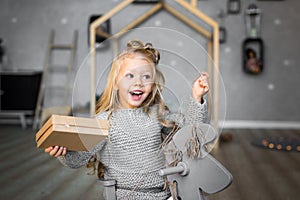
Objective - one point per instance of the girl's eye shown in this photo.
(129, 75)
(146, 77)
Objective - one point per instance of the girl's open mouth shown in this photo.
(136, 94)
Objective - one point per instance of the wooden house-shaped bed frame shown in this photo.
(211, 36)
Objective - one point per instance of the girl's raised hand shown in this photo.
(56, 151)
(200, 86)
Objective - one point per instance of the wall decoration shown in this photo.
(233, 6)
(222, 34)
(253, 55)
(222, 30)
(105, 27)
(253, 46)
(253, 21)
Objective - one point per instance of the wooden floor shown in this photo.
(258, 173)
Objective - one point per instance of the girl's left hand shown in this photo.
(200, 86)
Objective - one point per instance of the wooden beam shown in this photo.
(194, 3)
(116, 46)
(140, 19)
(102, 33)
(197, 12)
(189, 22)
(93, 66)
(211, 99)
(111, 13)
(216, 74)
(210, 72)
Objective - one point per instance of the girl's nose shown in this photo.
(138, 82)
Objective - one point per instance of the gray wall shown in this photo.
(271, 96)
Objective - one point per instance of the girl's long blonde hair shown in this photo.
(109, 100)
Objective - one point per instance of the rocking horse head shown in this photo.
(191, 170)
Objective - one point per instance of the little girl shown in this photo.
(138, 119)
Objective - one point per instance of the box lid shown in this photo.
(76, 133)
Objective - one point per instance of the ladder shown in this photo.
(49, 85)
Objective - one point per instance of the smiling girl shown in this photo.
(138, 118)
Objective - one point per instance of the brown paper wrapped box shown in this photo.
(75, 133)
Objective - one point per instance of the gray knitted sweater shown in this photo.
(131, 154)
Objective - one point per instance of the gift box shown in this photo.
(74, 133)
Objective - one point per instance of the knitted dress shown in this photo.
(131, 154)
